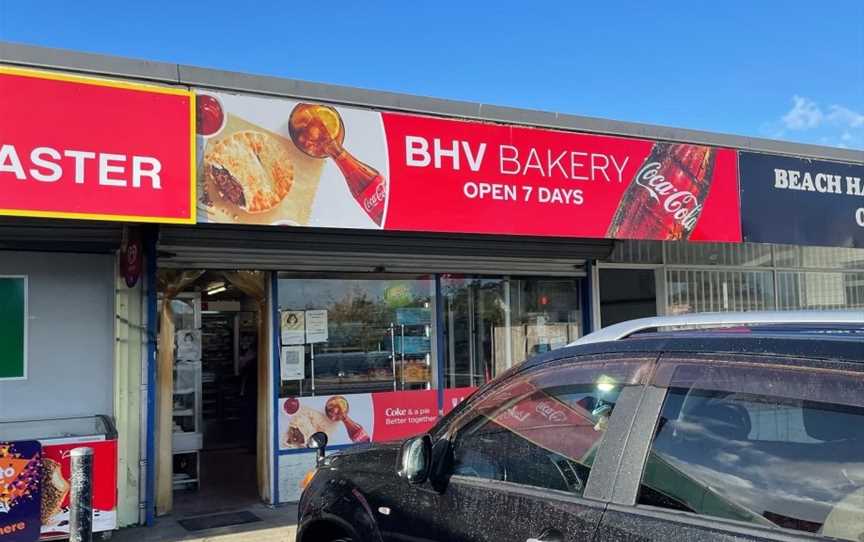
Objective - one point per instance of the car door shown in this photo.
(520, 459)
(743, 448)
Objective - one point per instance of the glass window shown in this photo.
(542, 429)
(724, 254)
(776, 446)
(713, 291)
(818, 257)
(812, 290)
(379, 334)
(494, 323)
(628, 251)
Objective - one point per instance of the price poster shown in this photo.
(293, 363)
(293, 324)
(316, 326)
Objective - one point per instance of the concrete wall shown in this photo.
(71, 336)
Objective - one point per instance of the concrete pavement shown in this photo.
(277, 525)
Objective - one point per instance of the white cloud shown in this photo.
(835, 125)
(843, 116)
(805, 114)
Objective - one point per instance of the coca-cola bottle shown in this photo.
(355, 431)
(667, 193)
(336, 409)
(318, 131)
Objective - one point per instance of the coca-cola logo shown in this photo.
(681, 204)
(551, 413)
(377, 198)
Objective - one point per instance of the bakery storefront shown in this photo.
(356, 265)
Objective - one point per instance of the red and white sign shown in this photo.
(56, 486)
(358, 168)
(76, 147)
(356, 418)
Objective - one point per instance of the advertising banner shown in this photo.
(454, 396)
(20, 490)
(801, 202)
(78, 147)
(13, 327)
(356, 418)
(282, 162)
(56, 486)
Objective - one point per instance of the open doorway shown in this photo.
(215, 440)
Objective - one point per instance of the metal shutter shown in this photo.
(214, 246)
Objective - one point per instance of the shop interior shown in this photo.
(215, 391)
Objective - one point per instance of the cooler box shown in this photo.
(59, 437)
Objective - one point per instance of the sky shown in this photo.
(790, 70)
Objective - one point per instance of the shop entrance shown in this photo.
(216, 391)
(626, 294)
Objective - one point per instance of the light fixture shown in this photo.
(217, 290)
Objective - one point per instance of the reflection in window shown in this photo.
(768, 446)
(544, 429)
(492, 324)
(379, 334)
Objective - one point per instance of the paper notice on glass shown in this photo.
(189, 344)
(293, 327)
(293, 363)
(316, 326)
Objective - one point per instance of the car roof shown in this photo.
(836, 342)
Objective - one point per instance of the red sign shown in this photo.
(340, 167)
(57, 465)
(471, 177)
(454, 396)
(75, 147)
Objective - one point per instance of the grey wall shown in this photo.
(70, 362)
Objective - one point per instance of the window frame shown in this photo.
(637, 447)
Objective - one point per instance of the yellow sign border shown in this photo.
(128, 85)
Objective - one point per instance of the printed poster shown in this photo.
(20, 490)
(356, 418)
(56, 486)
(293, 324)
(316, 326)
(189, 344)
(283, 162)
(293, 363)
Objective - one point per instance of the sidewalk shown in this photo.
(276, 525)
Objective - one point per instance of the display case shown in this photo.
(187, 424)
(59, 436)
(412, 348)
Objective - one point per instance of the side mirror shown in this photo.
(318, 441)
(415, 459)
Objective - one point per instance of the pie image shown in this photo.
(250, 170)
(54, 489)
(303, 424)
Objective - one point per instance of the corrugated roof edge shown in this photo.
(177, 74)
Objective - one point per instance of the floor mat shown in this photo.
(214, 521)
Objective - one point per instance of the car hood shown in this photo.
(377, 457)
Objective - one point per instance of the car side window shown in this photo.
(543, 428)
(779, 446)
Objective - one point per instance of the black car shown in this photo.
(750, 432)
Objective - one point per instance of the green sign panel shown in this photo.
(13, 327)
